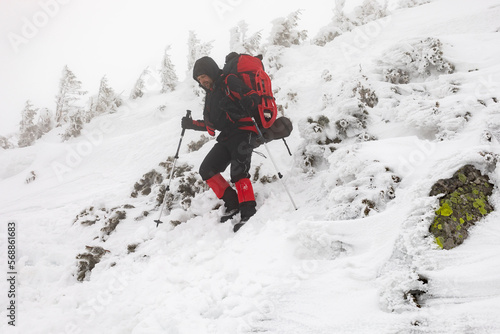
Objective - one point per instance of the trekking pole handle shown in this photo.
(188, 114)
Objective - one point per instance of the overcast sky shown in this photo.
(118, 38)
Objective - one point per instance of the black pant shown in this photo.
(236, 150)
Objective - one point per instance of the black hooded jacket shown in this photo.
(220, 112)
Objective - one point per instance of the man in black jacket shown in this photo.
(233, 147)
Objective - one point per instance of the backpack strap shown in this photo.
(237, 88)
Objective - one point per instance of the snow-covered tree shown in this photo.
(28, 131)
(107, 100)
(76, 119)
(284, 31)
(412, 3)
(197, 49)
(5, 143)
(284, 34)
(239, 42)
(70, 92)
(369, 10)
(167, 73)
(272, 58)
(45, 121)
(139, 87)
(340, 24)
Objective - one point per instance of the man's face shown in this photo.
(206, 81)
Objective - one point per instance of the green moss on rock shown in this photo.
(463, 201)
(445, 209)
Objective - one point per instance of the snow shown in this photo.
(327, 267)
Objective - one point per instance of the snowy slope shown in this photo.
(333, 266)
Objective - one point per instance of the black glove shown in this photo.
(187, 123)
(249, 103)
(232, 108)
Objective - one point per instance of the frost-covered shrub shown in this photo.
(91, 215)
(490, 159)
(284, 31)
(351, 109)
(188, 187)
(272, 59)
(359, 187)
(131, 248)
(185, 184)
(328, 101)
(407, 61)
(180, 169)
(396, 76)
(401, 284)
(341, 23)
(5, 143)
(412, 3)
(196, 145)
(31, 177)
(401, 289)
(108, 218)
(112, 222)
(431, 109)
(312, 158)
(182, 192)
(365, 94)
(290, 97)
(143, 186)
(318, 136)
(369, 10)
(263, 178)
(326, 34)
(352, 124)
(88, 260)
(317, 130)
(326, 76)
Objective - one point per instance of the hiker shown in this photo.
(234, 144)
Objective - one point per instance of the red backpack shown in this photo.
(251, 71)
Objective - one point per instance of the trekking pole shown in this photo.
(280, 176)
(158, 221)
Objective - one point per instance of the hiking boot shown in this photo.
(238, 226)
(231, 203)
(230, 199)
(229, 215)
(247, 210)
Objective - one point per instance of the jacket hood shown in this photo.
(208, 66)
